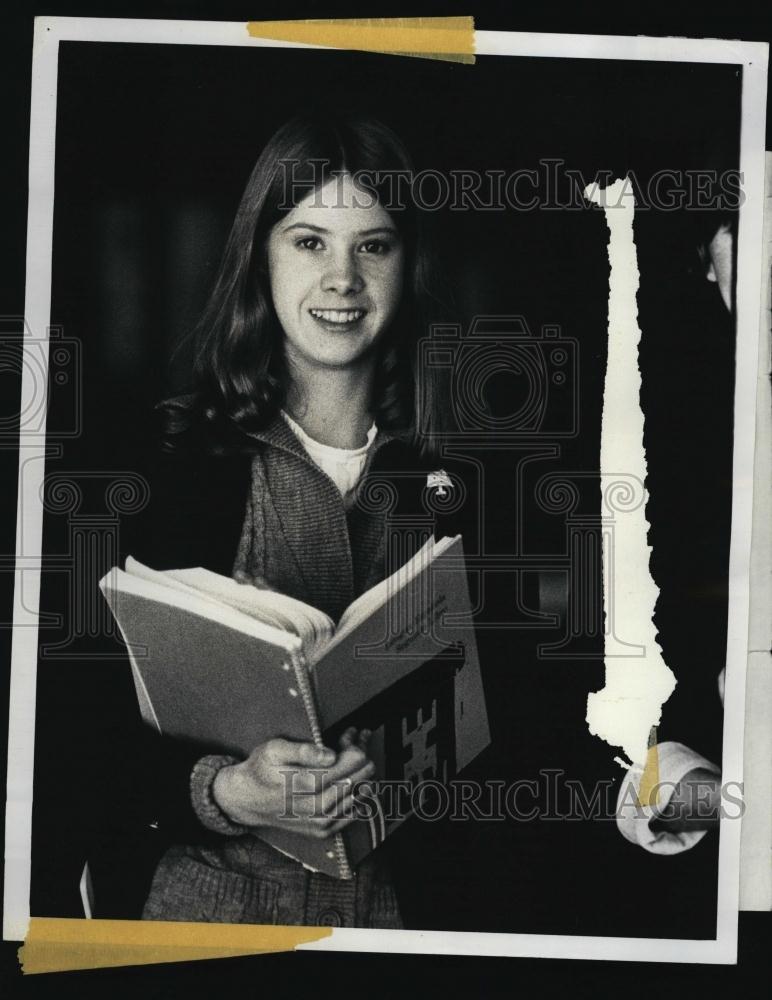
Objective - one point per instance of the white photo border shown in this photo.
(752, 56)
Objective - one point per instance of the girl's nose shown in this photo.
(343, 276)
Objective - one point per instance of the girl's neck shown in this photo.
(332, 405)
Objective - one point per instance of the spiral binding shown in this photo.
(306, 693)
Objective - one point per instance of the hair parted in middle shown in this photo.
(240, 374)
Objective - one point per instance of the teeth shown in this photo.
(338, 315)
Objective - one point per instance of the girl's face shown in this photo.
(335, 264)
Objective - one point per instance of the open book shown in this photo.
(230, 666)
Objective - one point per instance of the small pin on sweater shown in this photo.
(440, 481)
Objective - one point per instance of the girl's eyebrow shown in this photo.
(305, 225)
(389, 230)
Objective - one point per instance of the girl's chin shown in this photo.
(340, 359)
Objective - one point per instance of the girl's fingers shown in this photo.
(351, 738)
(282, 752)
(349, 761)
(340, 808)
(334, 794)
(347, 738)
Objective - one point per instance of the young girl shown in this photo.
(307, 378)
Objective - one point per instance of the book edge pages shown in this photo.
(265, 600)
(118, 581)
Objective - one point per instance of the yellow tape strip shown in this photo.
(58, 945)
(448, 38)
(648, 792)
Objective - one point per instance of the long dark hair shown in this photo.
(240, 377)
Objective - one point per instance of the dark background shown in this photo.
(160, 166)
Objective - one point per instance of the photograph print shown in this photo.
(394, 455)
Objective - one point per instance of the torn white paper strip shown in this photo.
(624, 711)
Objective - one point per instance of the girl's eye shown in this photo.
(376, 246)
(309, 243)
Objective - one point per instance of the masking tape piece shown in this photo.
(448, 38)
(56, 944)
(648, 791)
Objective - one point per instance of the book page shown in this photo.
(187, 598)
(382, 592)
(279, 611)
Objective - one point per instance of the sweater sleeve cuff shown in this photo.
(675, 761)
(208, 812)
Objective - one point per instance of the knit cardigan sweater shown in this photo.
(292, 501)
(263, 513)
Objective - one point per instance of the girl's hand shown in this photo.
(351, 737)
(288, 785)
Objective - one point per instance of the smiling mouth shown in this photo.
(340, 317)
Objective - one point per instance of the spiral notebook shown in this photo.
(230, 666)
